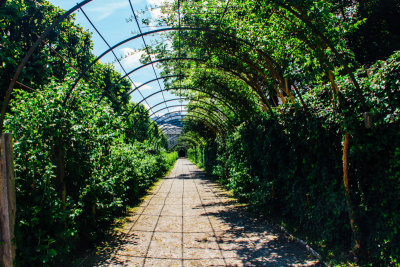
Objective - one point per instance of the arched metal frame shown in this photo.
(154, 80)
(168, 130)
(179, 29)
(185, 88)
(215, 120)
(189, 117)
(65, 15)
(181, 118)
(209, 113)
(272, 69)
(164, 121)
(153, 32)
(28, 56)
(169, 100)
(162, 90)
(157, 61)
(180, 76)
(203, 102)
(194, 117)
(184, 139)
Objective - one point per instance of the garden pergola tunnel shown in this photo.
(221, 110)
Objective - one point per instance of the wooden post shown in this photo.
(7, 201)
(350, 207)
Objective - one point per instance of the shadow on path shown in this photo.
(188, 220)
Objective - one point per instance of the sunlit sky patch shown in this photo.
(111, 18)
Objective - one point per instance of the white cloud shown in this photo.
(102, 11)
(155, 9)
(126, 51)
(131, 57)
(143, 88)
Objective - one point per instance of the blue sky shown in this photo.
(110, 18)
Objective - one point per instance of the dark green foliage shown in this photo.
(289, 165)
(379, 35)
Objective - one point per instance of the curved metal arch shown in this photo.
(154, 80)
(180, 138)
(203, 108)
(169, 100)
(212, 124)
(161, 91)
(199, 60)
(79, 5)
(210, 115)
(30, 53)
(121, 43)
(187, 99)
(186, 88)
(168, 59)
(157, 61)
(176, 119)
(194, 111)
(179, 118)
(105, 52)
(191, 116)
(162, 126)
(172, 106)
(235, 38)
(203, 102)
(166, 130)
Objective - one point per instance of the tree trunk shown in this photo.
(350, 206)
(59, 161)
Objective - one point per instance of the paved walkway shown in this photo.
(187, 220)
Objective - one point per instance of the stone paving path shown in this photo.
(187, 220)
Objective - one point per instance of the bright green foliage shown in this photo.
(77, 166)
(103, 172)
(67, 46)
(22, 21)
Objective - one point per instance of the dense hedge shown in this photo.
(204, 156)
(77, 168)
(289, 165)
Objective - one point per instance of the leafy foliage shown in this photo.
(101, 175)
(77, 166)
(289, 166)
(60, 207)
(272, 85)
